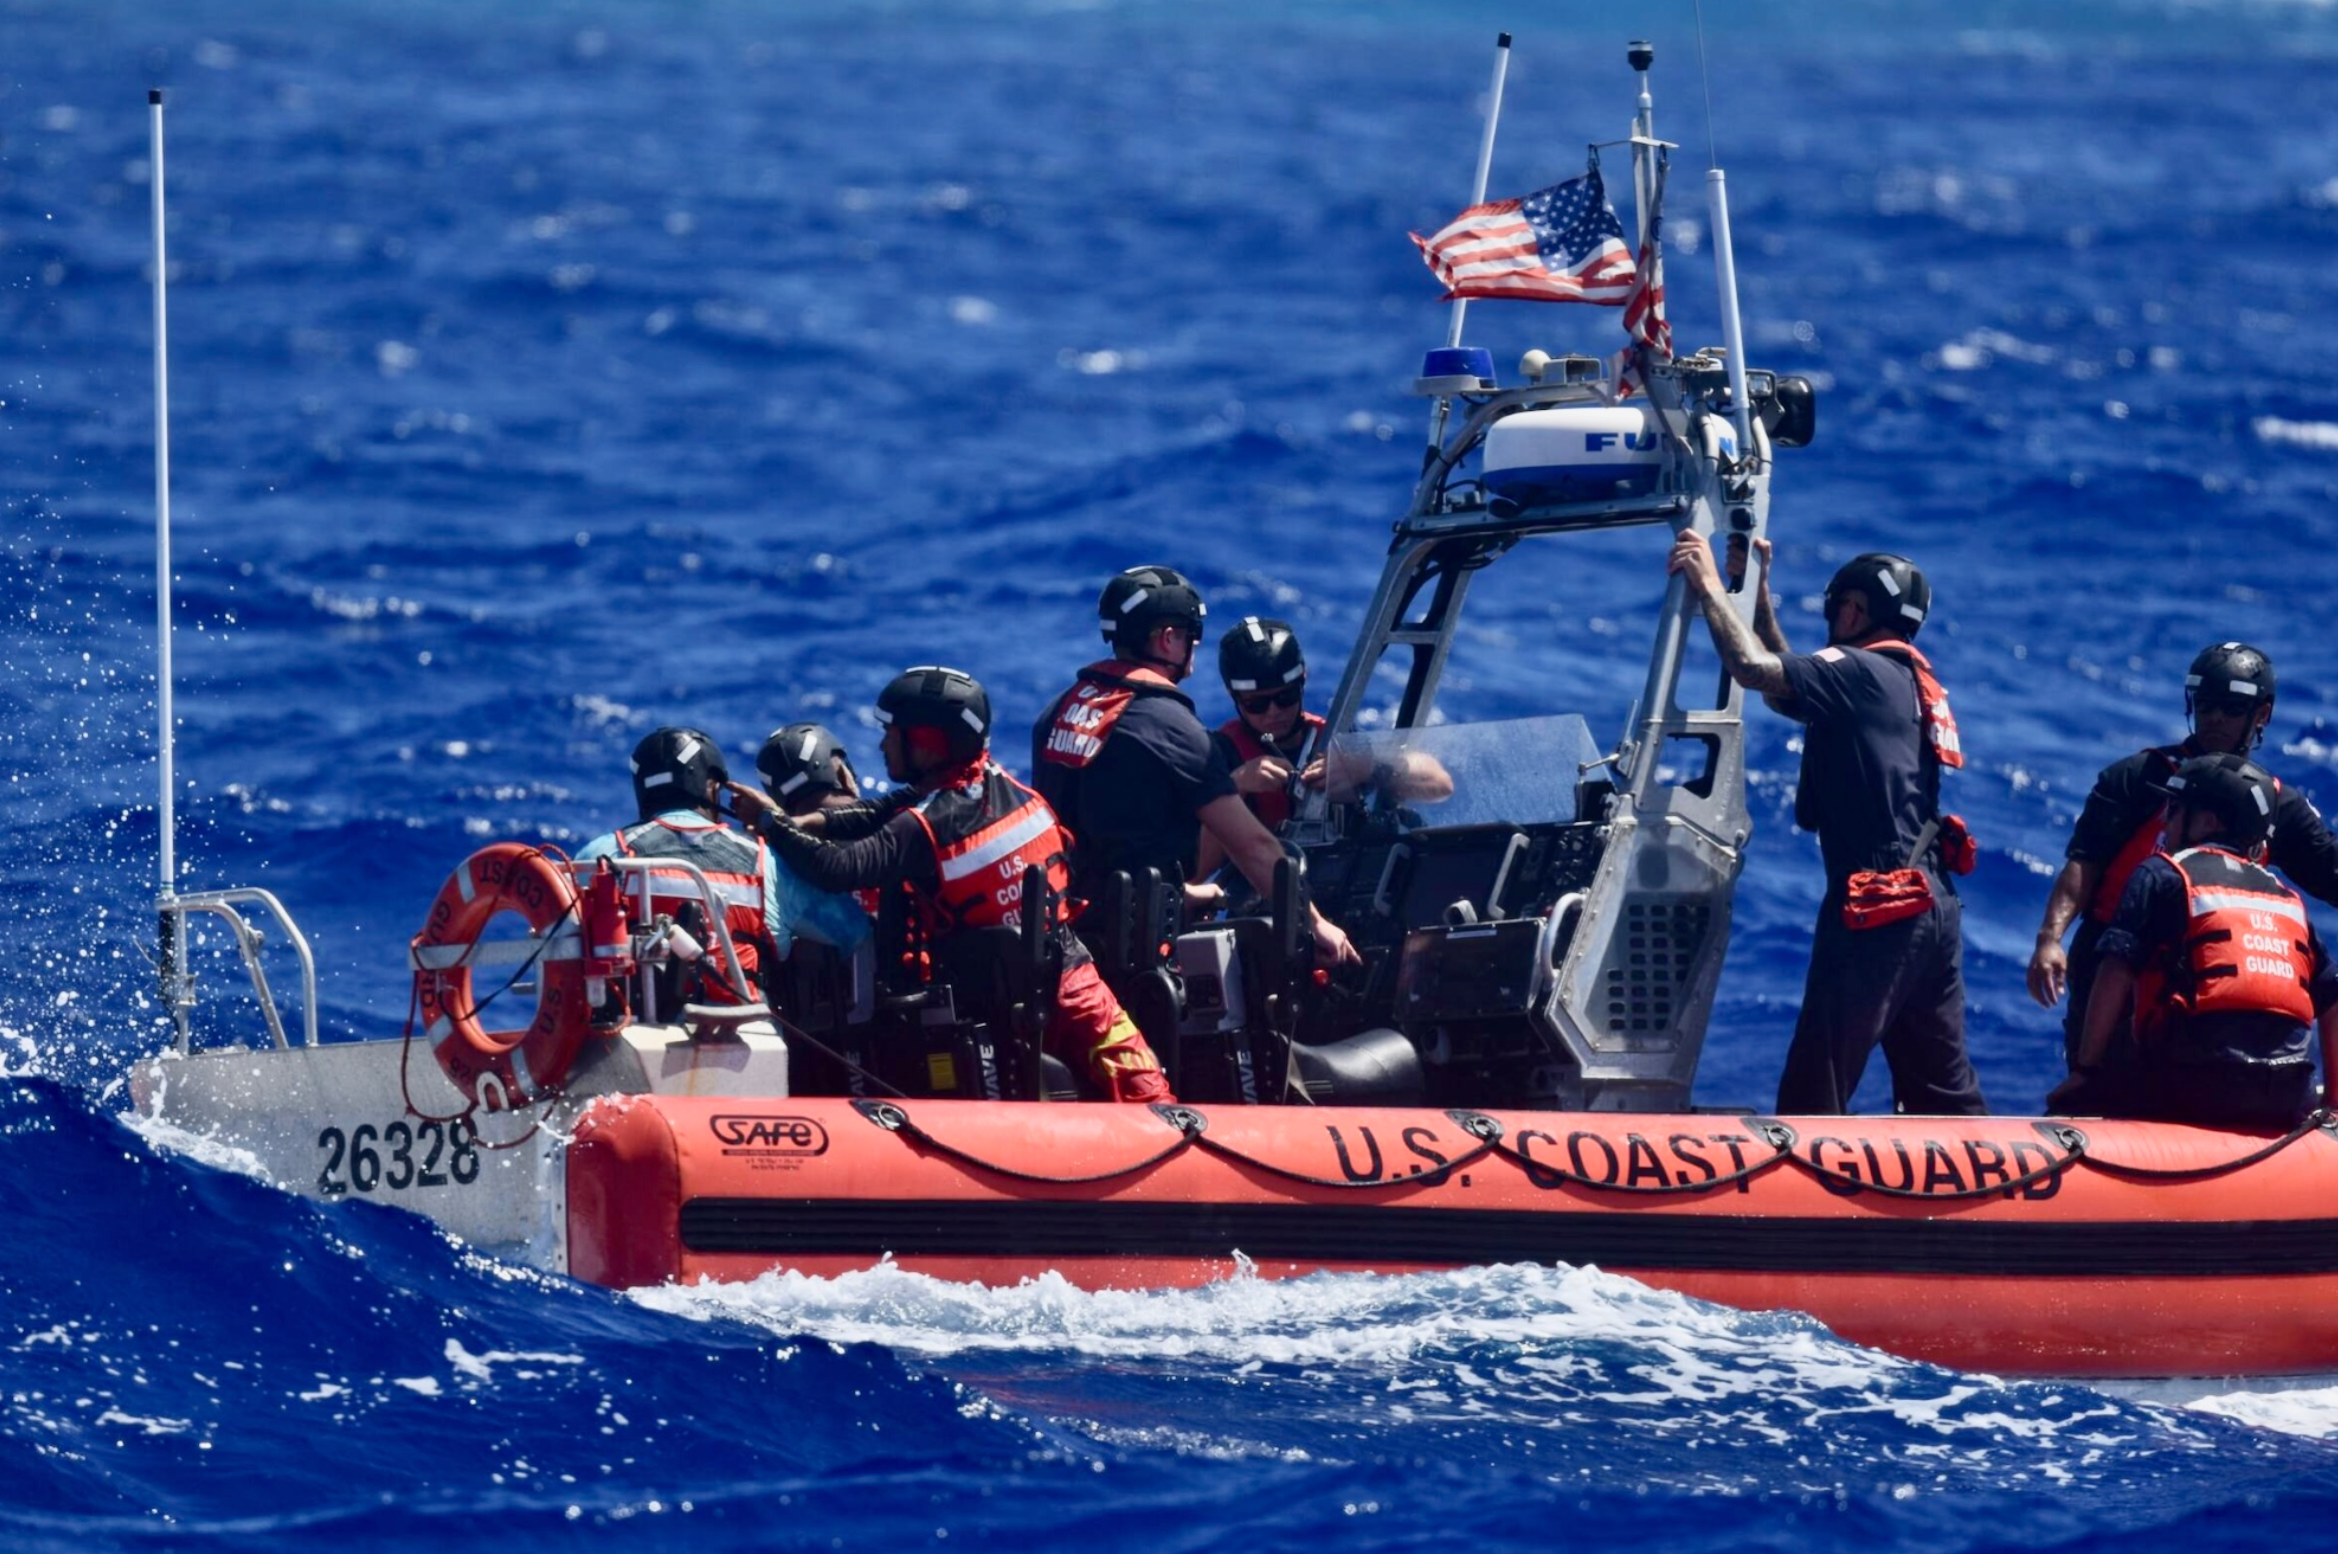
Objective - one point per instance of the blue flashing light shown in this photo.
(1465, 361)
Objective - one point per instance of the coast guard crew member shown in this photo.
(2209, 969)
(2228, 699)
(959, 836)
(1270, 733)
(1123, 759)
(1878, 731)
(1265, 674)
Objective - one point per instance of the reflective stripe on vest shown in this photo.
(986, 833)
(1028, 824)
(1272, 808)
(2244, 950)
(1939, 723)
(733, 866)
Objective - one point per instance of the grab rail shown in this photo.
(248, 939)
(717, 920)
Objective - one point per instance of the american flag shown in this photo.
(1644, 318)
(1561, 244)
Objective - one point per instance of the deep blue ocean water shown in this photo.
(545, 373)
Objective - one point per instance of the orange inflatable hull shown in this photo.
(2000, 1244)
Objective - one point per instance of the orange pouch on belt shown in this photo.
(1959, 853)
(1880, 896)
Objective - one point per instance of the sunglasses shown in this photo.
(1266, 701)
(2229, 706)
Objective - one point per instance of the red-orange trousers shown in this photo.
(1092, 1031)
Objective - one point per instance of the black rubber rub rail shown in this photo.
(1385, 1236)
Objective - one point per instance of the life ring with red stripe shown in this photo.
(500, 1069)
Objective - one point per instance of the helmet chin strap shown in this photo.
(1861, 638)
(1182, 666)
(2251, 738)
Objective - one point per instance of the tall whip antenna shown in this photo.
(1724, 258)
(1705, 79)
(173, 922)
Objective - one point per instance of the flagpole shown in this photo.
(173, 946)
(1485, 168)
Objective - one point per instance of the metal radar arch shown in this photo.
(1619, 917)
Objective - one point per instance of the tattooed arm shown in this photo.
(1749, 662)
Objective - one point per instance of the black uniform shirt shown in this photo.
(1137, 804)
(2128, 796)
(1867, 785)
(2152, 919)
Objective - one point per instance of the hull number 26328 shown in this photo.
(368, 1159)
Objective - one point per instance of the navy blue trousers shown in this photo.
(1900, 987)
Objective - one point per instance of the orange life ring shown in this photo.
(509, 1068)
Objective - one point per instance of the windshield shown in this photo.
(1520, 772)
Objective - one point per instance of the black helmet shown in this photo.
(1897, 596)
(677, 768)
(949, 700)
(1141, 601)
(2229, 669)
(1260, 655)
(802, 758)
(2235, 790)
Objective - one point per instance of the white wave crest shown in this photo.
(1518, 1339)
(1322, 1318)
(169, 1138)
(2321, 436)
(20, 1055)
(2292, 1405)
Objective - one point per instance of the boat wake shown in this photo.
(1573, 1374)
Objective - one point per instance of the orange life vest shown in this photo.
(1084, 715)
(1931, 700)
(986, 830)
(733, 864)
(1273, 809)
(2244, 949)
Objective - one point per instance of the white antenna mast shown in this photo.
(173, 922)
(1724, 258)
(1485, 163)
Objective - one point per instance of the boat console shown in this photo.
(1540, 916)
